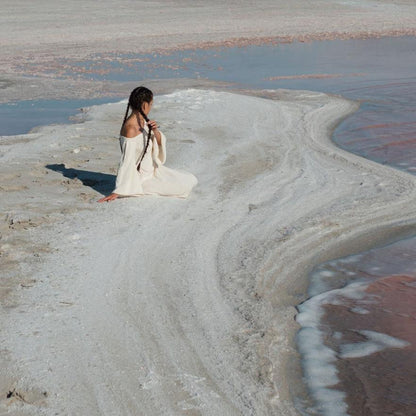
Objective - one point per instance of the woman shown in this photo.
(143, 153)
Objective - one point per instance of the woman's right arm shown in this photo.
(128, 180)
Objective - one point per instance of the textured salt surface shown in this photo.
(31, 189)
(124, 315)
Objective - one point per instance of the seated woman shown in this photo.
(143, 153)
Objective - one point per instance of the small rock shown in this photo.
(251, 207)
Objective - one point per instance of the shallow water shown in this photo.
(384, 129)
(358, 335)
(377, 72)
(22, 116)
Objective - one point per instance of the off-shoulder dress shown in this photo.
(154, 178)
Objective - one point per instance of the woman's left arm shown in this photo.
(156, 131)
(159, 148)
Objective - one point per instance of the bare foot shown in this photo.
(111, 197)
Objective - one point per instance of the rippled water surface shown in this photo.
(358, 332)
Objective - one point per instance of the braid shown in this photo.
(125, 116)
(148, 137)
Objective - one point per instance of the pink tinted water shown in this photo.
(382, 382)
(384, 129)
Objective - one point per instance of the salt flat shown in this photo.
(35, 35)
(76, 28)
(167, 306)
(152, 305)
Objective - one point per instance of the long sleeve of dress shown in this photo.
(159, 152)
(128, 180)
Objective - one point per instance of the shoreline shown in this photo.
(21, 68)
(312, 232)
(42, 83)
(352, 299)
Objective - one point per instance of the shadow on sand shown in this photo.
(100, 182)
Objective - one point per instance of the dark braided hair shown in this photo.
(137, 97)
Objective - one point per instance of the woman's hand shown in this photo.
(156, 131)
(154, 125)
(109, 198)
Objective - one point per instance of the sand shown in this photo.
(153, 305)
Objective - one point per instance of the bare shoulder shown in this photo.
(129, 131)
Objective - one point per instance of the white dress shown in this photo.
(153, 178)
